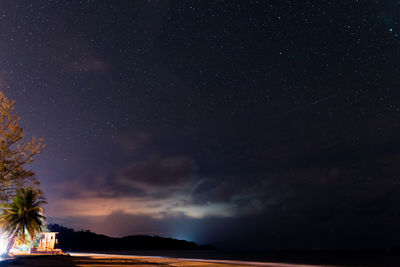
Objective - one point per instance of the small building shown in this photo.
(46, 244)
(48, 241)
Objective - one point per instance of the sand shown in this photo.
(103, 260)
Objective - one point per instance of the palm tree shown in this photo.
(24, 213)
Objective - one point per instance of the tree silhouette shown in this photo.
(15, 153)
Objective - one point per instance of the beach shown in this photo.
(104, 260)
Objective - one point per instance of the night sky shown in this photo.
(243, 124)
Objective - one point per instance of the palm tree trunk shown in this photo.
(11, 242)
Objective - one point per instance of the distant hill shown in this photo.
(89, 241)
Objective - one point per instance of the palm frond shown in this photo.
(24, 213)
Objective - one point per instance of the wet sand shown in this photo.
(103, 260)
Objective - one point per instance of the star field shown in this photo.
(215, 121)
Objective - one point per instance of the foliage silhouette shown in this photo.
(87, 241)
(15, 152)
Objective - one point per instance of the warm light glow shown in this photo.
(89, 206)
(3, 243)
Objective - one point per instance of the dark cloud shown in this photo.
(134, 143)
(90, 64)
(158, 171)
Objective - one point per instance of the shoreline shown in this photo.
(140, 258)
(97, 259)
(312, 258)
(234, 262)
